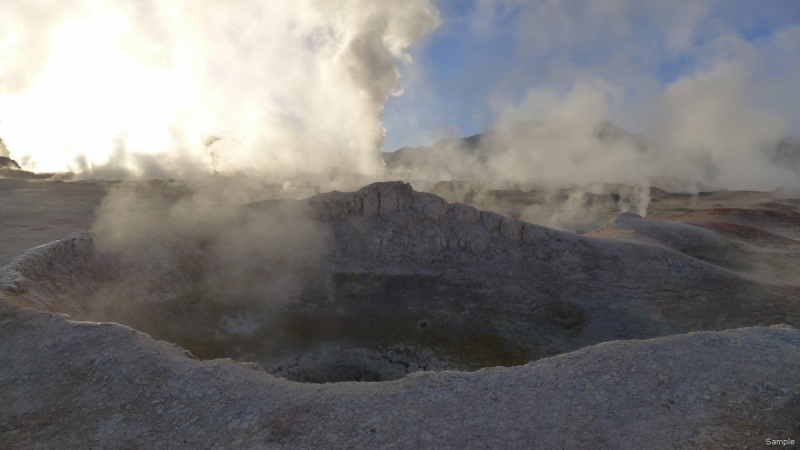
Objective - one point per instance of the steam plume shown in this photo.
(148, 89)
(708, 90)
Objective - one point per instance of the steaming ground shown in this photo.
(383, 282)
(568, 292)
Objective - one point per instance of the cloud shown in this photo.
(706, 131)
(709, 85)
(289, 86)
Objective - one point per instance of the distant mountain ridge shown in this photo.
(475, 156)
(482, 146)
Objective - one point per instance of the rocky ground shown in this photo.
(33, 212)
(402, 285)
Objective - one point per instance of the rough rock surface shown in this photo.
(406, 282)
(85, 385)
(34, 212)
(398, 260)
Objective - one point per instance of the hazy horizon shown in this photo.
(132, 90)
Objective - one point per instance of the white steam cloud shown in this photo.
(149, 89)
(711, 125)
(3, 149)
(706, 88)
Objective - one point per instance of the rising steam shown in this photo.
(154, 89)
(707, 90)
(293, 89)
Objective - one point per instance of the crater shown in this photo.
(375, 284)
(305, 324)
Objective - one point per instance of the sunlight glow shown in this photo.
(91, 96)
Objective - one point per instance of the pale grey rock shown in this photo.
(546, 404)
(466, 214)
(425, 266)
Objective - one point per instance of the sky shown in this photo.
(164, 89)
(488, 55)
